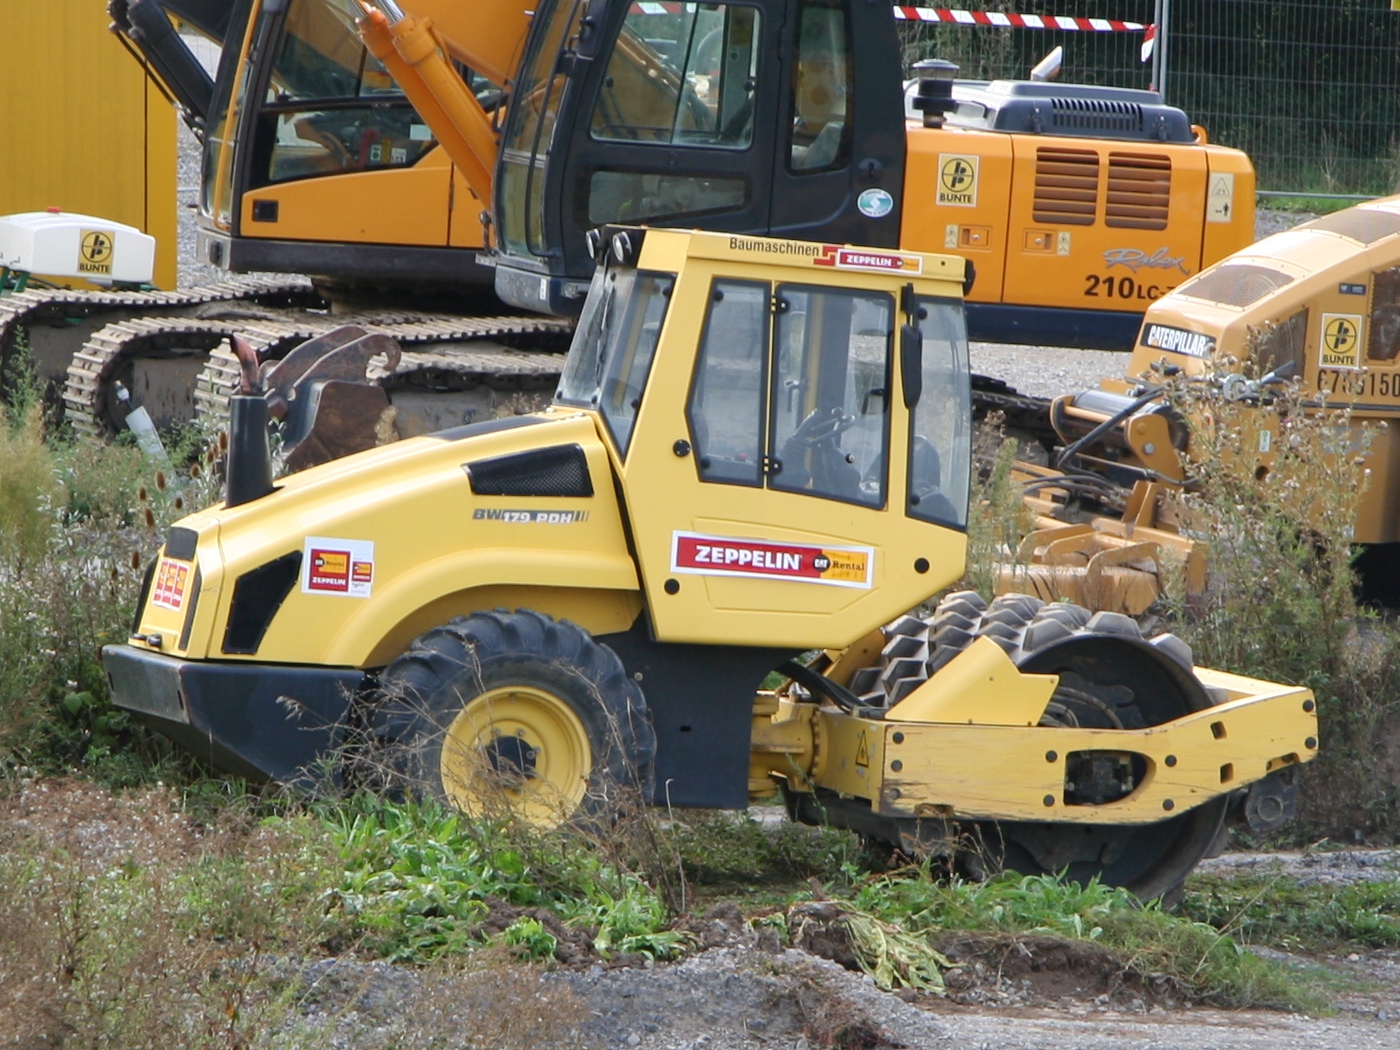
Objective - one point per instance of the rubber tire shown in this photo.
(1061, 638)
(423, 691)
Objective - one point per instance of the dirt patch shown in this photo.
(1007, 970)
(98, 829)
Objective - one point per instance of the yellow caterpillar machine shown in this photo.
(1320, 304)
(1076, 204)
(759, 448)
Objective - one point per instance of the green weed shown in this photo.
(1280, 603)
(724, 852)
(1282, 913)
(1211, 965)
(418, 882)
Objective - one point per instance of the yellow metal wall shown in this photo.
(80, 127)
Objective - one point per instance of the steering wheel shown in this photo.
(822, 425)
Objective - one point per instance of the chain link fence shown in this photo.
(1310, 90)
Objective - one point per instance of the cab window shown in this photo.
(681, 74)
(821, 90)
(614, 346)
(830, 393)
(725, 411)
(940, 442)
(331, 106)
(1384, 342)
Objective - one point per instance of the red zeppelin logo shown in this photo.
(857, 259)
(725, 556)
(330, 570)
(337, 566)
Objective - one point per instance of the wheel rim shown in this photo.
(517, 751)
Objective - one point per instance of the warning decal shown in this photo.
(728, 556)
(168, 591)
(862, 751)
(95, 253)
(343, 567)
(957, 179)
(1340, 344)
(1220, 200)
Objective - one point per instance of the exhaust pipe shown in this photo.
(249, 470)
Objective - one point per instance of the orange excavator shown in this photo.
(468, 146)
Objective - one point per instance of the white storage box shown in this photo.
(66, 244)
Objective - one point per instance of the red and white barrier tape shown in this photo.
(1006, 19)
(1003, 19)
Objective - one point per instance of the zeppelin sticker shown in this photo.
(727, 556)
(867, 261)
(337, 567)
(169, 589)
(1340, 345)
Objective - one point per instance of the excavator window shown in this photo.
(330, 106)
(636, 196)
(525, 147)
(681, 74)
(617, 339)
(821, 89)
(940, 451)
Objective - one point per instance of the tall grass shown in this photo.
(1280, 603)
(78, 522)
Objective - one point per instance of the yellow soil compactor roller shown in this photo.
(757, 456)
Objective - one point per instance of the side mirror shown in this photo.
(911, 363)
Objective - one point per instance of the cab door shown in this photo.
(838, 172)
(763, 506)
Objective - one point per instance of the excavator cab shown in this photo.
(730, 116)
(314, 160)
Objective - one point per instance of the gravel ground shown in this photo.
(744, 992)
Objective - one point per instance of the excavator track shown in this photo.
(1023, 416)
(487, 361)
(64, 309)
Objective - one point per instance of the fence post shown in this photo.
(1159, 49)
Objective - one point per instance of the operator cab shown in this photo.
(812, 407)
(305, 136)
(736, 116)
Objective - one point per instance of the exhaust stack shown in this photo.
(249, 453)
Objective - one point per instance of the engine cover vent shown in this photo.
(1087, 111)
(1139, 190)
(1068, 115)
(1066, 186)
(1235, 284)
(561, 470)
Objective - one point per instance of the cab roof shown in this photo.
(651, 247)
